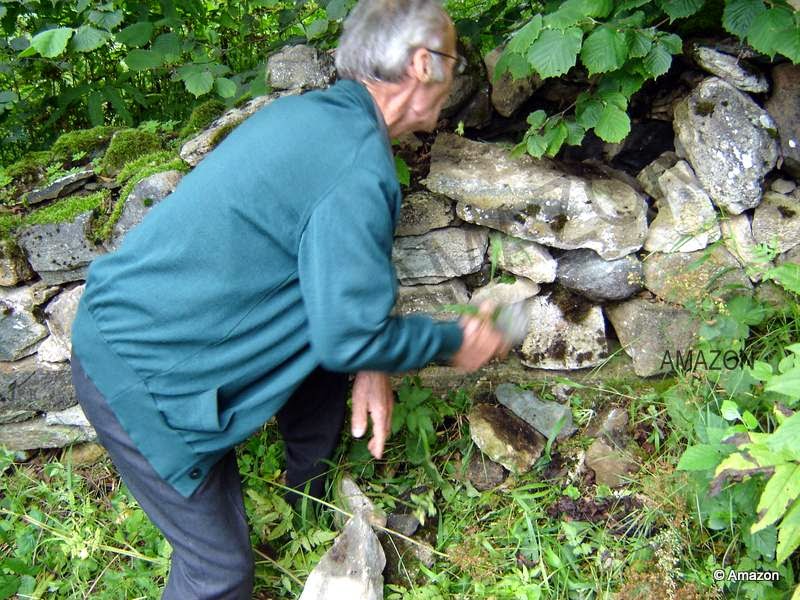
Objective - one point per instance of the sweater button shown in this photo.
(195, 473)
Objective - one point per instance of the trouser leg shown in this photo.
(311, 425)
(211, 552)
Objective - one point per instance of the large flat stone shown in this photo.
(440, 254)
(431, 299)
(535, 199)
(731, 69)
(586, 273)
(551, 419)
(423, 211)
(504, 437)
(37, 433)
(785, 109)
(28, 388)
(729, 141)
(776, 221)
(525, 258)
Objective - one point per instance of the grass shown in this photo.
(74, 531)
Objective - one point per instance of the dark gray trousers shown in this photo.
(210, 538)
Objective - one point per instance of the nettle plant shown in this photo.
(621, 45)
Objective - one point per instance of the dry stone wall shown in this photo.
(594, 254)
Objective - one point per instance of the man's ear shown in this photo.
(421, 67)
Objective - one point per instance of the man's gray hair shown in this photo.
(381, 35)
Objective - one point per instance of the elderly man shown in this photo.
(257, 286)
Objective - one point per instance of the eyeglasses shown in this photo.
(461, 62)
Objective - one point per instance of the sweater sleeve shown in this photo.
(349, 285)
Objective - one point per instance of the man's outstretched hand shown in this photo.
(372, 395)
(482, 341)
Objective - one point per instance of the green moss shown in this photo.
(202, 116)
(65, 210)
(222, 133)
(31, 167)
(160, 157)
(102, 230)
(704, 108)
(127, 145)
(82, 140)
(8, 223)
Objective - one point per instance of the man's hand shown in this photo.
(482, 341)
(373, 395)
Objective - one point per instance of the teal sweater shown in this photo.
(272, 257)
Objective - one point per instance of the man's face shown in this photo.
(434, 94)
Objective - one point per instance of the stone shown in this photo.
(525, 259)
(19, 331)
(403, 523)
(464, 87)
(729, 141)
(504, 437)
(60, 252)
(52, 351)
(776, 221)
(586, 273)
(611, 467)
(611, 424)
(72, 416)
(146, 194)
(688, 221)
(356, 502)
(792, 256)
(687, 277)
(193, 151)
(86, 454)
(478, 111)
(60, 313)
(484, 474)
(28, 388)
(783, 186)
(551, 419)
(14, 269)
(36, 433)
(439, 254)
(773, 295)
(431, 299)
(785, 110)
(404, 560)
(533, 199)
(648, 177)
(299, 67)
(737, 235)
(352, 568)
(731, 69)
(421, 212)
(501, 293)
(62, 186)
(649, 329)
(508, 94)
(567, 332)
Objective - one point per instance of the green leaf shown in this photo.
(3, 11)
(730, 411)
(604, 50)
(789, 533)
(588, 113)
(702, 457)
(787, 276)
(317, 29)
(536, 119)
(629, 5)
(787, 42)
(640, 41)
(50, 43)
(87, 38)
(555, 52)
(515, 64)
(536, 145)
(225, 87)
(337, 9)
(555, 137)
(678, 9)
(766, 28)
(81, 5)
(787, 383)
(523, 38)
(575, 133)
(112, 95)
(136, 35)
(673, 43)
(106, 19)
(142, 60)
(198, 82)
(658, 61)
(781, 490)
(567, 15)
(598, 8)
(402, 170)
(761, 370)
(613, 125)
(786, 435)
(739, 15)
(168, 45)
(95, 107)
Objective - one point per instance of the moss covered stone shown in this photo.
(66, 210)
(82, 140)
(202, 116)
(30, 168)
(126, 146)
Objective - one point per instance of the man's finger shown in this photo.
(359, 419)
(379, 431)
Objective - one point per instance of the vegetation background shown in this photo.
(700, 503)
